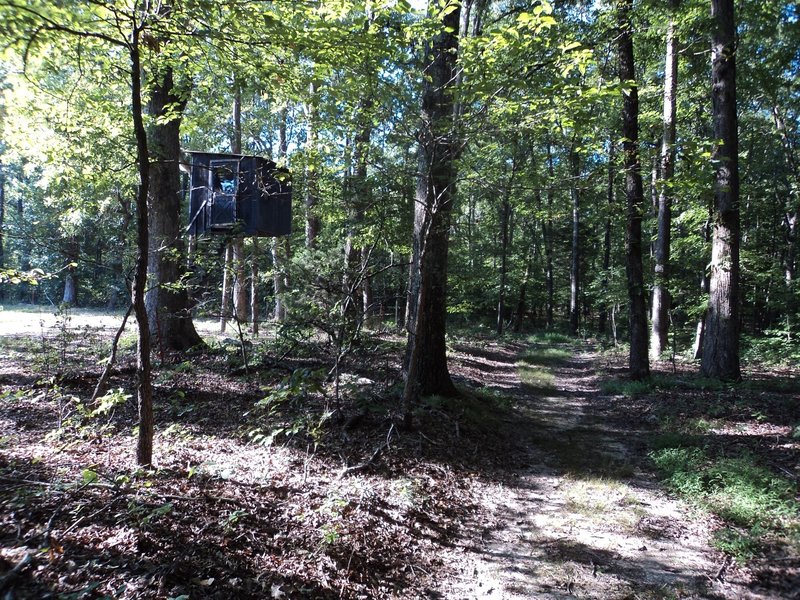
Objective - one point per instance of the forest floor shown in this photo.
(271, 482)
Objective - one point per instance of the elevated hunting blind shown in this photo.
(233, 193)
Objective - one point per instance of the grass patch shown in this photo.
(752, 499)
(545, 355)
(550, 337)
(539, 378)
(621, 387)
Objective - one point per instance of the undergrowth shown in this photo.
(753, 500)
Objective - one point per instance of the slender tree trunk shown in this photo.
(575, 259)
(254, 288)
(313, 222)
(239, 267)
(279, 256)
(505, 224)
(357, 193)
(71, 256)
(240, 296)
(505, 217)
(639, 366)
(2, 225)
(606, 308)
(427, 366)
(227, 276)
(167, 299)
(144, 390)
(659, 341)
(721, 344)
(547, 234)
(791, 219)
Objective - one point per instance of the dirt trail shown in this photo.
(579, 516)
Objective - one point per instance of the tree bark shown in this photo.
(638, 360)
(313, 222)
(661, 298)
(547, 235)
(279, 257)
(505, 219)
(575, 259)
(72, 249)
(721, 344)
(227, 272)
(240, 296)
(427, 367)
(144, 389)
(602, 318)
(254, 288)
(167, 299)
(239, 267)
(2, 224)
(791, 219)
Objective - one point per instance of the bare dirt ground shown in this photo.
(579, 517)
(535, 489)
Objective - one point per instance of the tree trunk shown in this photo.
(240, 296)
(505, 216)
(661, 298)
(505, 220)
(791, 219)
(227, 272)
(574, 268)
(254, 288)
(2, 225)
(239, 267)
(144, 389)
(427, 366)
(71, 256)
(639, 366)
(721, 344)
(547, 234)
(279, 258)
(603, 316)
(167, 299)
(313, 222)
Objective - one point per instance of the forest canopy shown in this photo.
(525, 139)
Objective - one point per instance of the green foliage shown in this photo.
(626, 387)
(774, 347)
(287, 410)
(741, 544)
(753, 499)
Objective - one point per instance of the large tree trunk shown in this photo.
(721, 344)
(639, 365)
(661, 297)
(427, 366)
(167, 299)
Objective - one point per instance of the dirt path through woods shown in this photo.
(579, 514)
